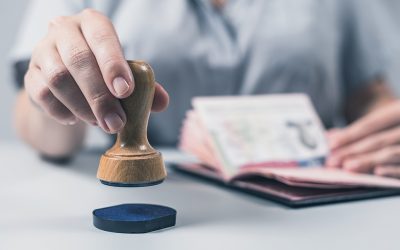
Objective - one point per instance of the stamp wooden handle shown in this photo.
(132, 140)
(132, 161)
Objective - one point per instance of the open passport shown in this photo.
(272, 146)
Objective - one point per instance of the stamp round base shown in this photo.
(121, 184)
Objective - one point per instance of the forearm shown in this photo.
(44, 134)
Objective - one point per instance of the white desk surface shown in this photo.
(45, 206)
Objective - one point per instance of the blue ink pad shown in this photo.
(134, 218)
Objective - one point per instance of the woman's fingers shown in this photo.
(388, 171)
(365, 163)
(161, 99)
(82, 65)
(59, 80)
(368, 144)
(103, 41)
(83, 72)
(44, 98)
(377, 121)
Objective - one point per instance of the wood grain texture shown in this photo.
(132, 160)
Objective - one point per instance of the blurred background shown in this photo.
(12, 12)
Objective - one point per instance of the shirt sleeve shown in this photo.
(363, 55)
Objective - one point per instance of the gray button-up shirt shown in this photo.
(326, 49)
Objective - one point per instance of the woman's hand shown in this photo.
(78, 72)
(370, 145)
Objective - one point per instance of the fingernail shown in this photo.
(120, 86)
(114, 122)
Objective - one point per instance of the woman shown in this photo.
(77, 71)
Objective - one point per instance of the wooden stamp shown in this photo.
(132, 161)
